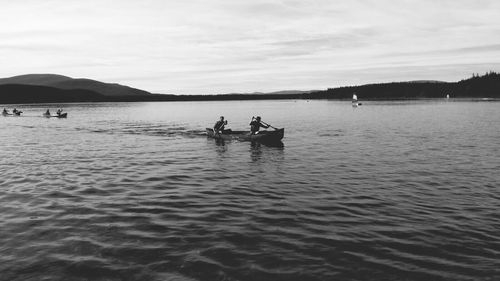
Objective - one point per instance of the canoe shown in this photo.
(64, 115)
(12, 114)
(262, 136)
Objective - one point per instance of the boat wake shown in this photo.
(162, 130)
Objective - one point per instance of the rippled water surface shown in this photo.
(136, 191)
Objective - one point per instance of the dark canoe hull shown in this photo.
(64, 115)
(265, 136)
(224, 136)
(262, 136)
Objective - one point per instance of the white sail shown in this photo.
(354, 97)
(447, 96)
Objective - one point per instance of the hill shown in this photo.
(486, 86)
(68, 83)
(34, 79)
(12, 93)
(67, 89)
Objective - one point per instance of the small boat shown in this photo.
(62, 115)
(261, 136)
(355, 101)
(14, 113)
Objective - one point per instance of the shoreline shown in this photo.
(458, 99)
(477, 87)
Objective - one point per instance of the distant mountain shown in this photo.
(68, 83)
(27, 89)
(15, 93)
(106, 89)
(35, 79)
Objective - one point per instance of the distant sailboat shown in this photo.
(447, 96)
(355, 102)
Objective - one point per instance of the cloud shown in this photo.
(198, 46)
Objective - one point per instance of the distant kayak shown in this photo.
(262, 136)
(63, 115)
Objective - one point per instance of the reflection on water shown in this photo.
(273, 149)
(136, 191)
(220, 142)
(256, 148)
(276, 144)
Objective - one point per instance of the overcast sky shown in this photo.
(222, 46)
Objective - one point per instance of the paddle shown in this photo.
(265, 124)
(269, 125)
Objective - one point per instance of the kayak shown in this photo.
(63, 115)
(261, 136)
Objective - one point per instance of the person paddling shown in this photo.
(255, 125)
(5, 112)
(59, 112)
(47, 113)
(219, 125)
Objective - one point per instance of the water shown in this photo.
(135, 191)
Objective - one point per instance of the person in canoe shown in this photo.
(219, 125)
(47, 112)
(256, 124)
(5, 112)
(59, 112)
(16, 112)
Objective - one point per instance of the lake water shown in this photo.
(135, 191)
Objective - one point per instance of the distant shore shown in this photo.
(477, 87)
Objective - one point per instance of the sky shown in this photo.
(226, 46)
